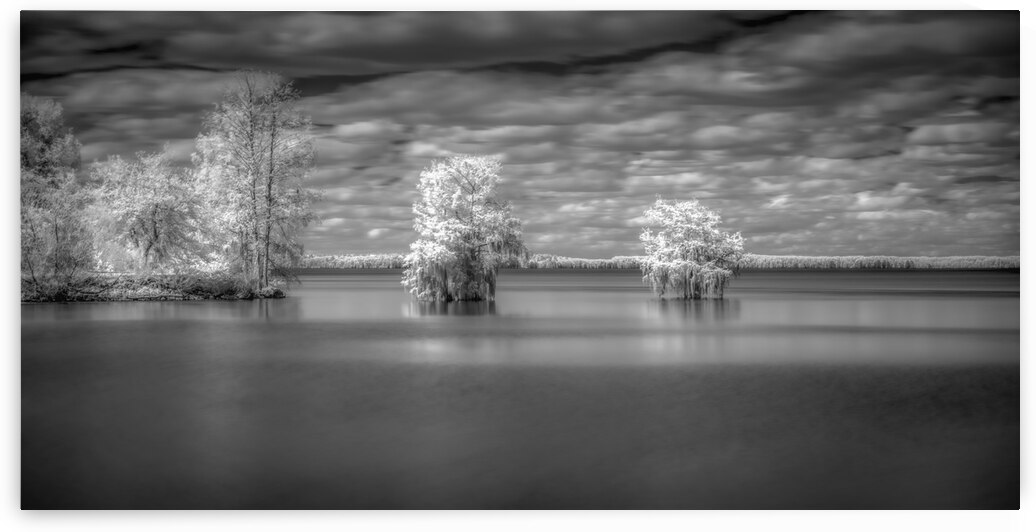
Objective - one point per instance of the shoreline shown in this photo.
(94, 289)
(126, 287)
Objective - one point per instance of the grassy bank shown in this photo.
(128, 287)
(750, 262)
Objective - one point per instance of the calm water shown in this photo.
(574, 389)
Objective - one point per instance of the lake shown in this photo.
(574, 389)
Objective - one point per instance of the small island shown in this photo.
(228, 227)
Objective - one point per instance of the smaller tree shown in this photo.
(56, 242)
(49, 150)
(687, 254)
(55, 238)
(150, 207)
(465, 232)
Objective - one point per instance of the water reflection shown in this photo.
(288, 309)
(453, 308)
(701, 310)
(591, 398)
(277, 309)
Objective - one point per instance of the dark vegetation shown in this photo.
(151, 287)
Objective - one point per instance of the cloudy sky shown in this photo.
(812, 133)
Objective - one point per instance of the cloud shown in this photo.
(368, 131)
(963, 133)
(778, 202)
(846, 40)
(140, 90)
(353, 43)
(681, 179)
(905, 215)
(725, 136)
(730, 79)
(953, 154)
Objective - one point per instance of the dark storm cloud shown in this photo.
(813, 133)
(903, 40)
(306, 44)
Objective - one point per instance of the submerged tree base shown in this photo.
(432, 281)
(144, 288)
(686, 279)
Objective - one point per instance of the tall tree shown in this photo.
(55, 239)
(465, 232)
(252, 158)
(687, 254)
(149, 206)
(49, 150)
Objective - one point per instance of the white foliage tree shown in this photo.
(465, 233)
(49, 150)
(252, 161)
(56, 249)
(149, 207)
(688, 256)
(56, 240)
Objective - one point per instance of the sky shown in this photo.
(811, 133)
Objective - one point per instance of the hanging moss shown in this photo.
(449, 280)
(687, 255)
(686, 279)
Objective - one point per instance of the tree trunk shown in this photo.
(154, 235)
(57, 248)
(269, 203)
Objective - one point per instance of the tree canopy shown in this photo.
(465, 232)
(49, 150)
(252, 159)
(150, 207)
(687, 254)
(55, 240)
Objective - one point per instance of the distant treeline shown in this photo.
(749, 262)
(395, 260)
(876, 262)
(383, 260)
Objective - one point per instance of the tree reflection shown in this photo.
(695, 309)
(453, 308)
(287, 309)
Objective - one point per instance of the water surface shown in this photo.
(574, 389)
